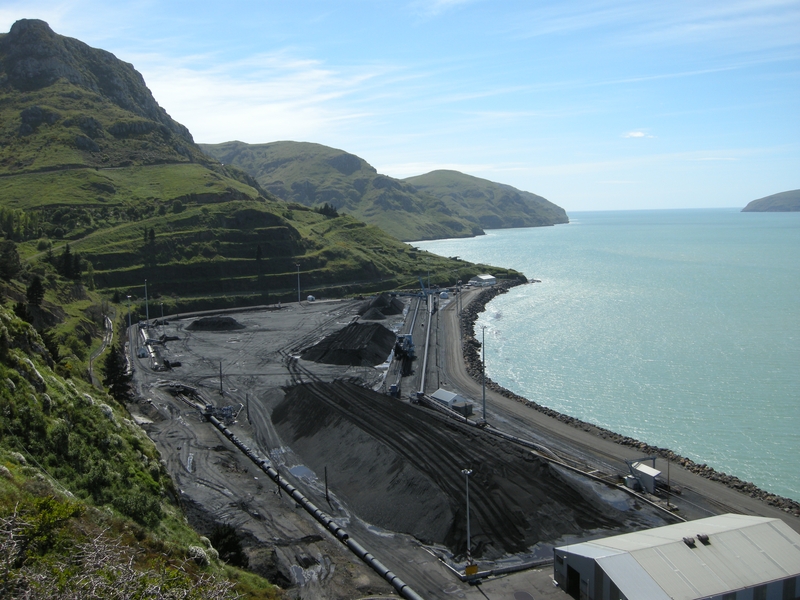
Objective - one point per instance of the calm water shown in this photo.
(679, 328)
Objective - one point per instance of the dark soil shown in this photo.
(385, 304)
(357, 344)
(400, 467)
(373, 314)
(215, 323)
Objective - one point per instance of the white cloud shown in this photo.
(263, 98)
(433, 8)
(636, 134)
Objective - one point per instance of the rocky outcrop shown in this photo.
(32, 57)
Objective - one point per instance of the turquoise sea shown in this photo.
(680, 328)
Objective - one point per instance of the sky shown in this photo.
(595, 105)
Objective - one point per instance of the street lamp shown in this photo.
(298, 283)
(146, 305)
(467, 473)
(483, 369)
(162, 313)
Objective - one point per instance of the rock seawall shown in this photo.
(472, 359)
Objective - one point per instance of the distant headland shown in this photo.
(782, 202)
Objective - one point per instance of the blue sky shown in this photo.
(594, 105)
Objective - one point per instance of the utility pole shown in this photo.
(220, 378)
(146, 305)
(298, 283)
(467, 473)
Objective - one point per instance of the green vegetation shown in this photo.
(782, 202)
(313, 175)
(101, 190)
(84, 499)
(491, 205)
(439, 204)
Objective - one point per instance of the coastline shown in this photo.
(471, 355)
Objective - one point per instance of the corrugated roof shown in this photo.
(646, 470)
(636, 581)
(743, 551)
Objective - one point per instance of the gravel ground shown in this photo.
(393, 469)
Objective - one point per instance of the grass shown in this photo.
(75, 471)
(116, 187)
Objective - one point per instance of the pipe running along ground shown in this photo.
(402, 588)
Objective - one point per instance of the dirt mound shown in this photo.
(400, 467)
(373, 314)
(215, 323)
(385, 304)
(357, 344)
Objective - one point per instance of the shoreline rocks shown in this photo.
(472, 360)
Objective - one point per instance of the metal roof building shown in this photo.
(727, 557)
(483, 280)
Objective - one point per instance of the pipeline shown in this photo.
(402, 588)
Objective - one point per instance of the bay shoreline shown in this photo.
(471, 355)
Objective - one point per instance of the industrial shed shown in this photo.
(484, 280)
(727, 557)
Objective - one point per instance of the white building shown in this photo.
(727, 557)
(484, 280)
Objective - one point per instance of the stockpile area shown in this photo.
(381, 307)
(399, 467)
(215, 323)
(356, 345)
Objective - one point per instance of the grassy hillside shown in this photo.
(84, 499)
(782, 202)
(101, 190)
(314, 175)
(491, 205)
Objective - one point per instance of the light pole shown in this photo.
(162, 313)
(459, 306)
(467, 473)
(298, 283)
(146, 305)
(483, 369)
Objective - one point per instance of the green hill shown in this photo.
(87, 157)
(314, 175)
(437, 205)
(782, 202)
(490, 205)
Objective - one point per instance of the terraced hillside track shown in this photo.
(516, 499)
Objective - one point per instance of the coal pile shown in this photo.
(358, 344)
(399, 467)
(373, 314)
(215, 323)
(384, 305)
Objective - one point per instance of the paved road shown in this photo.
(701, 497)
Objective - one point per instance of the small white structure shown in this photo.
(484, 280)
(646, 476)
(453, 401)
(727, 557)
